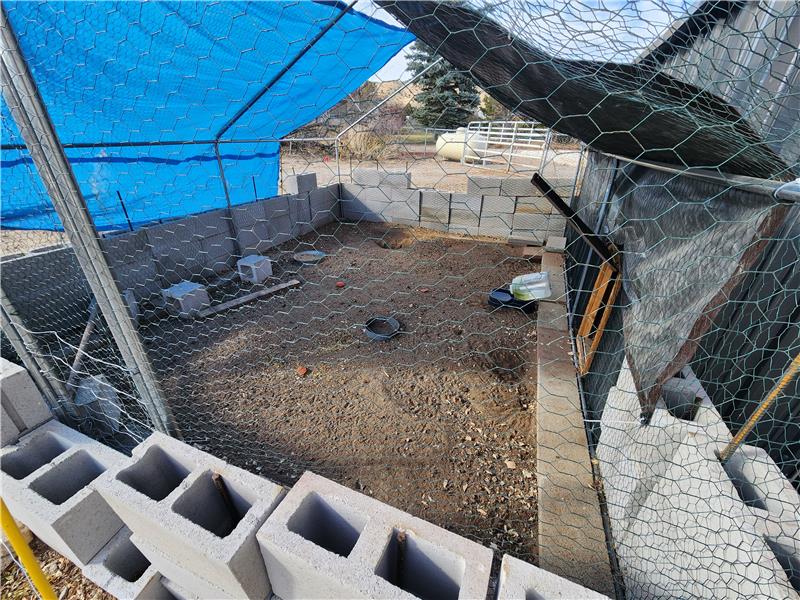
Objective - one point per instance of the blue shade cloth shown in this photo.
(112, 72)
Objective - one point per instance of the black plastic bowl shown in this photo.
(502, 298)
(381, 329)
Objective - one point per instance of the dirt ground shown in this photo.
(65, 578)
(439, 421)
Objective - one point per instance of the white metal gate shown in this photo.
(519, 145)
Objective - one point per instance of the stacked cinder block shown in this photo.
(124, 572)
(23, 407)
(301, 183)
(522, 581)
(379, 196)
(194, 517)
(465, 213)
(327, 541)
(435, 210)
(46, 481)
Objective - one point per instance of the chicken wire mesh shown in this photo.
(220, 197)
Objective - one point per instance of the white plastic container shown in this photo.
(531, 286)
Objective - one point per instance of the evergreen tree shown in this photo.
(448, 98)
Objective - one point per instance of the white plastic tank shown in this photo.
(460, 143)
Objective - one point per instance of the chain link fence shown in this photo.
(226, 222)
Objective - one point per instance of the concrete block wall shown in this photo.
(501, 207)
(23, 407)
(327, 541)
(167, 496)
(523, 581)
(45, 480)
(684, 524)
(201, 246)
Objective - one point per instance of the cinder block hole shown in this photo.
(37, 452)
(204, 504)
(747, 490)
(533, 595)
(788, 559)
(155, 475)
(420, 568)
(126, 560)
(681, 399)
(331, 526)
(68, 477)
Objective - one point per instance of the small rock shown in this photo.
(302, 371)
(511, 464)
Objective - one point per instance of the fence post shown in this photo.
(32, 119)
(33, 359)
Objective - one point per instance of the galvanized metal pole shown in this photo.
(41, 370)
(32, 119)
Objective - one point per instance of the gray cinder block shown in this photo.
(166, 495)
(483, 185)
(186, 298)
(24, 407)
(517, 186)
(327, 541)
(123, 571)
(46, 481)
(556, 243)
(254, 268)
(534, 204)
(9, 432)
(469, 202)
(493, 205)
(377, 178)
(520, 581)
(301, 183)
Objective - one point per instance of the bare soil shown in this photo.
(439, 421)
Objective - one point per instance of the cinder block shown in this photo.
(377, 178)
(24, 407)
(186, 298)
(522, 581)
(495, 225)
(720, 545)
(517, 186)
(463, 218)
(470, 202)
(301, 183)
(254, 268)
(9, 432)
(124, 572)
(167, 496)
(327, 541)
(493, 205)
(530, 222)
(556, 243)
(482, 185)
(46, 481)
(534, 204)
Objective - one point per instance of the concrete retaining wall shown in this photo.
(684, 525)
(503, 207)
(206, 245)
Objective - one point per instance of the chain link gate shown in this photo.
(209, 217)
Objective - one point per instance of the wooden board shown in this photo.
(207, 312)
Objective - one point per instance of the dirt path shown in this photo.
(438, 421)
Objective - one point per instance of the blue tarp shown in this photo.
(142, 72)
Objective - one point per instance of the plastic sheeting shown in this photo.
(170, 72)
